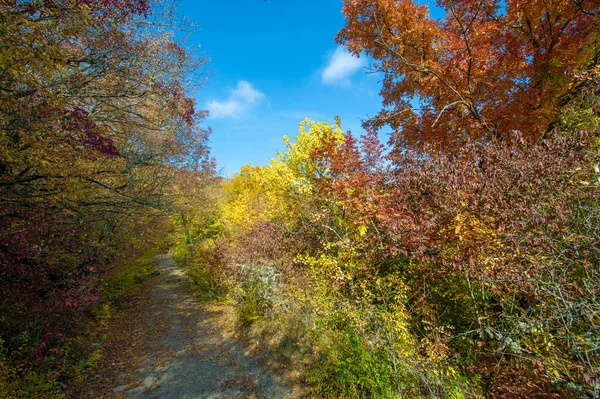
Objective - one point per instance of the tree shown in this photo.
(95, 122)
(485, 69)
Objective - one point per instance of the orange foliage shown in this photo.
(485, 69)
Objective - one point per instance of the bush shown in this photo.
(349, 367)
(255, 292)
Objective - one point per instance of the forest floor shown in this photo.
(165, 345)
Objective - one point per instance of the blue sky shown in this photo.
(275, 63)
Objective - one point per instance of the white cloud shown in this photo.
(240, 100)
(340, 67)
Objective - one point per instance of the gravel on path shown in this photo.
(166, 347)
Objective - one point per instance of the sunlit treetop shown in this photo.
(485, 69)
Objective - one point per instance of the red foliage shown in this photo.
(47, 269)
(500, 221)
(90, 135)
(116, 8)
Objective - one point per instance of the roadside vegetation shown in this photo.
(457, 260)
(95, 130)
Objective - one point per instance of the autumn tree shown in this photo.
(484, 69)
(95, 124)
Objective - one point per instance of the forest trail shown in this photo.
(167, 346)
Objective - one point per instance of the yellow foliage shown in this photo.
(255, 194)
(298, 157)
(362, 230)
(277, 192)
(472, 233)
(469, 229)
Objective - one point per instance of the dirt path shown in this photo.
(165, 346)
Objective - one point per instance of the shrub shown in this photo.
(255, 292)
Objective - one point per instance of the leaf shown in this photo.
(362, 230)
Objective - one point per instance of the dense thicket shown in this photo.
(462, 258)
(95, 127)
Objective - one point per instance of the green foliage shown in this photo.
(204, 284)
(95, 128)
(28, 384)
(349, 367)
(19, 378)
(23, 382)
(92, 360)
(581, 104)
(202, 266)
(125, 282)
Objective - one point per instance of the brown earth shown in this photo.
(166, 345)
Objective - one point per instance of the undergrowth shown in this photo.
(49, 375)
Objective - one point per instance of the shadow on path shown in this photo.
(192, 359)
